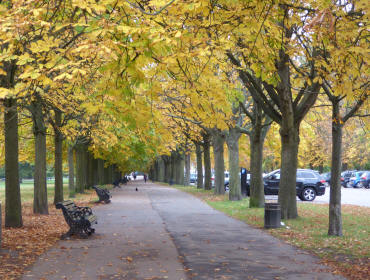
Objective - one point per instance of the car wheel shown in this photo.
(308, 194)
(360, 185)
(348, 185)
(367, 186)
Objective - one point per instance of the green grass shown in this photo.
(309, 231)
(27, 191)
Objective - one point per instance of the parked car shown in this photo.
(365, 180)
(193, 178)
(355, 180)
(327, 177)
(309, 184)
(227, 175)
(347, 176)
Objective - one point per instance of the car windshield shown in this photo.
(271, 173)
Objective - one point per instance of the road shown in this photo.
(359, 197)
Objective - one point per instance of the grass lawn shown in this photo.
(349, 254)
(27, 191)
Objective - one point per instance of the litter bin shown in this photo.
(272, 215)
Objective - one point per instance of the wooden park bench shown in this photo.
(79, 219)
(103, 194)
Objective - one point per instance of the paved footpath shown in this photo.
(162, 233)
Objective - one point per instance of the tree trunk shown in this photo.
(89, 170)
(232, 140)
(218, 154)
(207, 163)
(257, 137)
(71, 173)
(180, 169)
(198, 152)
(100, 172)
(13, 207)
(111, 174)
(156, 170)
(173, 167)
(161, 169)
(95, 168)
(58, 158)
(81, 169)
(40, 199)
(287, 187)
(106, 174)
(167, 169)
(257, 196)
(335, 215)
(187, 169)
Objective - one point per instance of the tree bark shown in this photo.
(40, 199)
(58, 158)
(167, 171)
(257, 138)
(71, 173)
(335, 215)
(173, 168)
(198, 152)
(218, 140)
(232, 141)
(13, 207)
(207, 162)
(89, 170)
(180, 169)
(95, 168)
(106, 174)
(81, 169)
(287, 187)
(156, 170)
(257, 195)
(161, 169)
(100, 172)
(187, 169)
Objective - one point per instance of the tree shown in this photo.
(343, 46)
(258, 128)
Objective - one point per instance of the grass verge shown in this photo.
(348, 255)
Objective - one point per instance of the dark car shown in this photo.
(347, 175)
(327, 177)
(365, 180)
(309, 184)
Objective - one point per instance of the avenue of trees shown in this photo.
(103, 88)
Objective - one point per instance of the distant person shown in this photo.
(145, 178)
(134, 176)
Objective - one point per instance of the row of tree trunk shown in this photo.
(89, 171)
(170, 169)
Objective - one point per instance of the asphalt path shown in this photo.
(162, 233)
